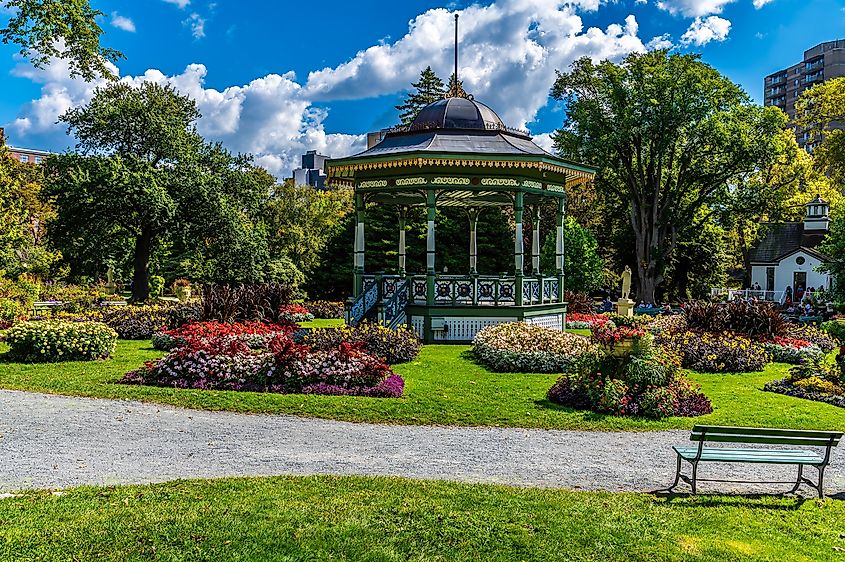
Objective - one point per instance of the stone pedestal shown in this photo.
(625, 307)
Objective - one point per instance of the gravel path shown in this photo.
(57, 441)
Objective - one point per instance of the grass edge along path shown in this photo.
(392, 519)
(443, 387)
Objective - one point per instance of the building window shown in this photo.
(24, 158)
(800, 260)
(38, 159)
(770, 278)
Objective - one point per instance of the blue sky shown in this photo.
(278, 78)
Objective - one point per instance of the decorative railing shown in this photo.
(395, 306)
(467, 290)
(364, 303)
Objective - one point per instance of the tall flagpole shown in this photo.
(456, 50)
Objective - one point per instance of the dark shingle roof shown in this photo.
(784, 238)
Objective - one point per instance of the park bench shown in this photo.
(44, 306)
(788, 438)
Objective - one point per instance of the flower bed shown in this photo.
(644, 382)
(716, 353)
(55, 340)
(520, 347)
(295, 313)
(228, 363)
(791, 350)
(816, 380)
(327, 310)
(394, 346)
(256, 335)
(811, 334)
(578, 321)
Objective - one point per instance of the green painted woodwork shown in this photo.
(762, 456)
(766, 431)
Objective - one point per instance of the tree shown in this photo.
(301, 218)
(146, 181)
(429, 89)
(834, 247)
(582, 264)
(817, 110)
(64, 29)
(669, 134)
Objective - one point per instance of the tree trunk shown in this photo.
(141, 274)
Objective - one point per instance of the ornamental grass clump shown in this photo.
(741, 317)
(394, 346)
(645, 382)
(518, 347)
(716, 353)
(56, 340)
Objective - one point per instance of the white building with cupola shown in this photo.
(786, 260)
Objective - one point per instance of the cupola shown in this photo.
(817, 216)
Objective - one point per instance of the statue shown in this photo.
(626, 283)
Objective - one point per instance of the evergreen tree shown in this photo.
(429, 89)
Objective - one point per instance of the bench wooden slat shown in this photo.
(765, 456)
(766, 431)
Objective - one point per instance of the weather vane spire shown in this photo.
(456, 90)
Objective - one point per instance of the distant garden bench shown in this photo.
(759, 436)
(44, 306)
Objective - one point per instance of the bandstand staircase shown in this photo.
(394, 308)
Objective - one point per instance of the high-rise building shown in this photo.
(312, 170)
(783, 88)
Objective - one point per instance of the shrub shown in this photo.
(835, 329)
(52, 341)
(394, 346)
(520, 347)
(295, 313)
(256, 335)
(648, 385)
(741, 317)
(790, 350)
(579, 303)
(141, 322)
(156, 285)
(262, 302)
(717, 353)
(811, 334)
(10, 311)
(326, 310)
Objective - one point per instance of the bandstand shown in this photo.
(458, 153)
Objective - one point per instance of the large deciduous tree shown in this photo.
(818, 109)
(62, 29)
(669, 134)
(145, 179)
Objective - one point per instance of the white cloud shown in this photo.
(180, 3)
(509, 53)
(122, 22)
(660, 42)
(703, 30)
(197, 25)
(693, 8)
(760, 3)
(545, 141)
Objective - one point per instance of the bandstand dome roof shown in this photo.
(457, 113)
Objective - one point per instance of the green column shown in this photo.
(473, 244)
(535, 240)
(358, 259)
(559, 218)
(518, 209)
(431, 208)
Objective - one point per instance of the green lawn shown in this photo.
(391, 519)
(443, 387)
(323, 323)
